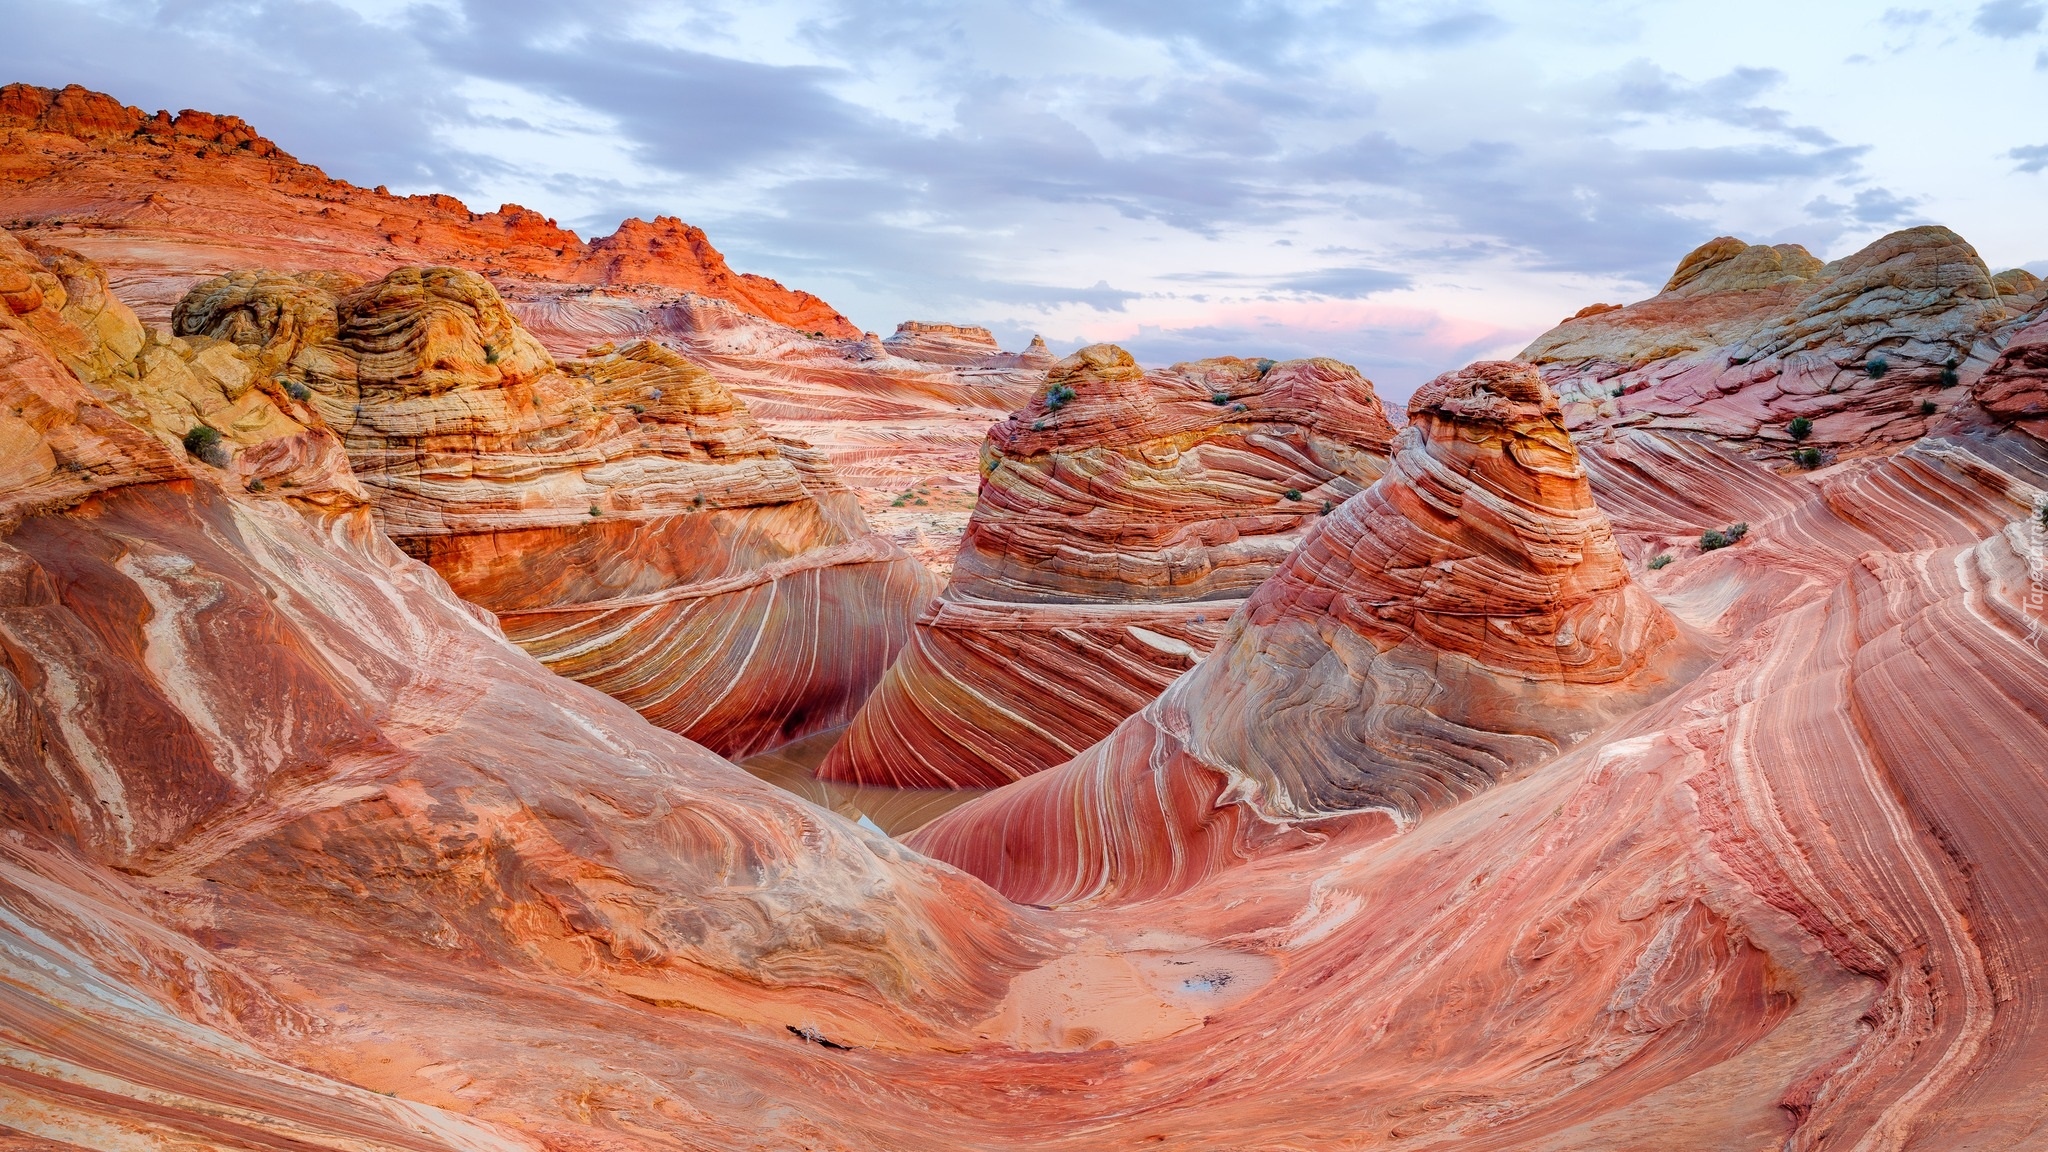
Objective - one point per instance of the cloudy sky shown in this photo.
(1404, 185)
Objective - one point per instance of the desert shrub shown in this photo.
(256, 485)
(490, 353)
(1808, 458)
(203, 442)
(297, 391)
(1657, 562)
(1219, 399)
(1800, 428)
(1266, 365)
(1714, 538)
(1927, 408)
(596, 511)
(1876, 366)
(1293, 493)
(1949, 379)
(1058, 397)
(1328, 507)
(638, 409)
(1239, 407)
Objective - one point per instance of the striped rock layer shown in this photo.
(1466, 617)
(165, 201)
(1873, 350)
(623, 516)
(297, 852)
(1123, 516)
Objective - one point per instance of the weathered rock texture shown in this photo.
(623, 516)
(297, 851)
(1744, 339)
(1122, 517)
(1468, 616)
(163, 201)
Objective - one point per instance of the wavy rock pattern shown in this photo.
(1746, 338)
(1114, 534)
(624, 516)
(1466, 617)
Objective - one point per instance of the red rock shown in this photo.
(2015, 388)
(1114, 534)
(167, 201)
(1746, 338)
(1467, 616)
(623, 516)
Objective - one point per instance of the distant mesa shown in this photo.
(207, 192)
(961, 345)
(1123, 516)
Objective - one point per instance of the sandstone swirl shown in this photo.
(1870, 351)
(623, 516)
(1122, 517)
(1467, 616)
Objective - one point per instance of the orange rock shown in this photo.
(1466, 617)
(1122, 517)
(171, 200)
(624, 516)
(1744, 339)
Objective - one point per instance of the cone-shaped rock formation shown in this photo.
(1122, 517)
(1467, 616)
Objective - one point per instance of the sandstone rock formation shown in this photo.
(1468, 616)
(297, 851)
(164, 201)
(1122, 517)
(1744, 339)
(623, 516)
(2014, 389)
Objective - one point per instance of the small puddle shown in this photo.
(896, 811)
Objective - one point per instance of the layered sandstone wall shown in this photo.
(1123, 516)
(623, 515)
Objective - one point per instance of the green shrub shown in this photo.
(638, 409)
(1328, 507)
(1266, 365)
(1877, 366)
(1239, 407)
(596, 511)
(1949, 379)
(297, 391)
(1808, 458)
(1657, 562)
(1219, 399)
(1800, 428)
(203, 442)
(1058, 397)
(1293, 493)
(490, 353)
(256, 485)
(1927, 408)
(1713, 538)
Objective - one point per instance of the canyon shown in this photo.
(1635, 746)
